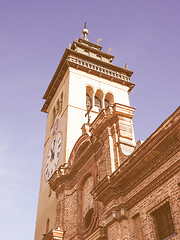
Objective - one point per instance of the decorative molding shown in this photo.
(114, 215)
(58, 176)
(54, 234)
(101, 70)
(98, 234)
(164, 140)
(82, 231)
(153, 185)
(115, 110)
(157, 161)
(112, 187)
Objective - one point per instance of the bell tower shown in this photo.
(85, 83)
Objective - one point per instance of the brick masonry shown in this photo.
(122, 191)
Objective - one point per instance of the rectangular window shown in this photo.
(163, 222)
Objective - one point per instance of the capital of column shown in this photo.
(54, 234)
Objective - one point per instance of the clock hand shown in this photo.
(52, 155)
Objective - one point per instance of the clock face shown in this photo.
(53, 156)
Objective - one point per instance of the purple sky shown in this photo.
(33, 37)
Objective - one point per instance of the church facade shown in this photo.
(96, 181)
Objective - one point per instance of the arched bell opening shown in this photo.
(89, 97)
(108, 100)
(98, 100)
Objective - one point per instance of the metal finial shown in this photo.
(99, 39)
(126, 65)
(85, 32)
(109, 50)
(69, 45)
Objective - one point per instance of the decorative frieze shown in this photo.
(114, 216)
(125, 114)
(102, 70)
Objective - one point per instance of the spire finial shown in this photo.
(109, 50)
(85, 32)
(99, 39)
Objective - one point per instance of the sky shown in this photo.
(33, 38)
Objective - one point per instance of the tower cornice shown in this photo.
(94, 48)
(78, 60)
(94, 45)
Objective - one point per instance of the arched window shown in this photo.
(88, 102)
(89, 97)
(109, 99)
(97, 102)
(98, 99)
(106, 103)
(88, 218)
